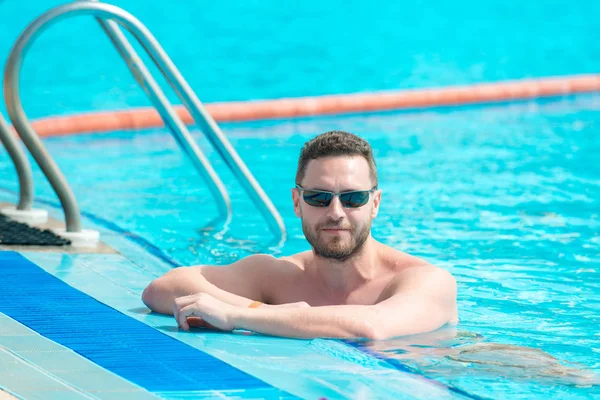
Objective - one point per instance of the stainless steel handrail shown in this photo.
(22, 166)
(207, 124)
(184, 92)
(36, 147)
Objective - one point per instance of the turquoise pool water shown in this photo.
(239, 50)
(505, 197)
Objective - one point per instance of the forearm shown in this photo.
(223, 295)
(160, 295)
(347, 321)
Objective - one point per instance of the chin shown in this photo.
(337, 243)
(340, 251)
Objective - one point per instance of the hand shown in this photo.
(204, 310)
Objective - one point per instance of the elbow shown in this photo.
(157, 297)
(374, 333)
(160, 294)
(373, 329)
(149, 295)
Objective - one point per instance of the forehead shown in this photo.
(337, 173)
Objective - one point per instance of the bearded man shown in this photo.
(349, 285)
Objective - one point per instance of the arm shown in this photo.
(235, 284)
(423, 303)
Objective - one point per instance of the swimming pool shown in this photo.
(504, 196)
(245, 50)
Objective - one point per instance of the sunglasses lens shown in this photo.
(317, 199)
(354, 199)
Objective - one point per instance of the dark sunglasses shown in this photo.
(322, 198)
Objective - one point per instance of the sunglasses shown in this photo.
(322, 198)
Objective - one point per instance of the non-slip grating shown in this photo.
(18, 233)
(114, 341)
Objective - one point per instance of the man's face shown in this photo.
(336, 232)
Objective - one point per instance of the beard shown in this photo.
(338, 248)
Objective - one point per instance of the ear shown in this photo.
(376, 202)
(296, 200)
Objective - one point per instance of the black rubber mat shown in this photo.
(17, 233)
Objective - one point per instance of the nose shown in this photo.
(335, 211)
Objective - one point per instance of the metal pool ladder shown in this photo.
(107, 15)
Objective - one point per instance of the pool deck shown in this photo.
(53, 223)
(6, 396)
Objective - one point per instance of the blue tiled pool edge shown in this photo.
(112, 340)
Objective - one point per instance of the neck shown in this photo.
(340, 278)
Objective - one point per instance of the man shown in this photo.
(349, 285)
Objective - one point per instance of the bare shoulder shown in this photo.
(427, 276)
(285, 277)
(256, 261)
(247, 265)
(416, 278)
(296, 261)
(270, 266)
(411, 272)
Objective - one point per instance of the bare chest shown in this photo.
(308, 291)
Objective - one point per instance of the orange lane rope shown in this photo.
(141, 118)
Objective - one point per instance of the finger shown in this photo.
(195, 322)
(184, 313)
(182, 302)
(178, 304)
(214, 328)
(185, 300)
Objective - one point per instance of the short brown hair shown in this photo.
(336, 143)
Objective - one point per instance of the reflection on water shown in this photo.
(450, 354)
